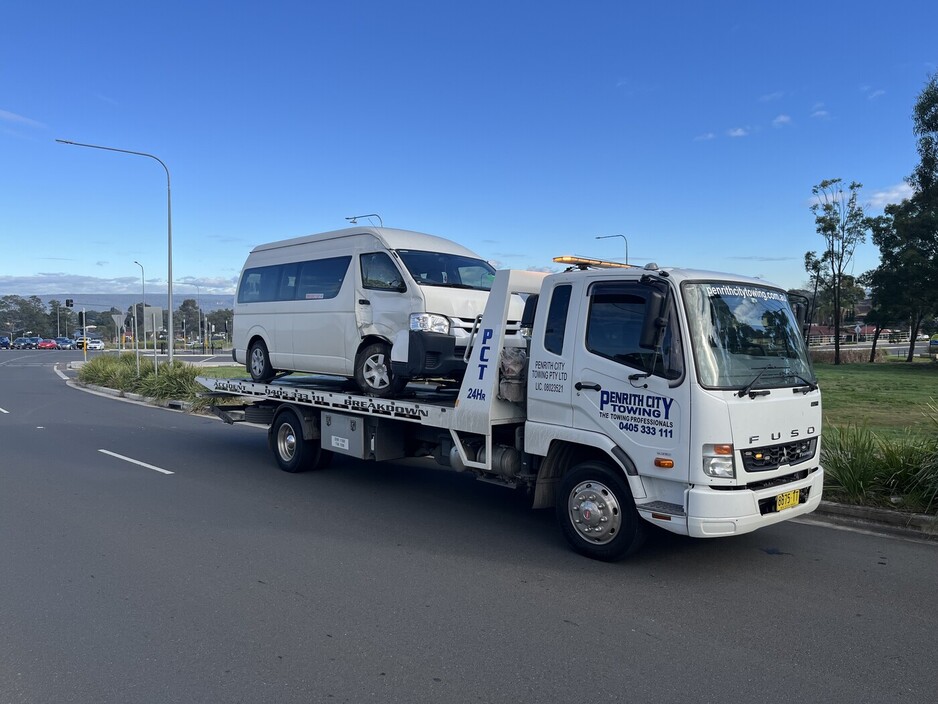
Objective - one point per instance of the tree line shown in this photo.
(904, 287)
(29, 316)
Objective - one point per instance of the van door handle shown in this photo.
(579, 386)
(364, 302)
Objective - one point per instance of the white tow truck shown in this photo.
(633, 396)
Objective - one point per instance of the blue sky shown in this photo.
(522, 130)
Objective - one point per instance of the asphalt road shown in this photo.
(230, 581)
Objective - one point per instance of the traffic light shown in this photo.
(69, 302)
(81, 318)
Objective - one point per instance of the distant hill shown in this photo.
(123, 301)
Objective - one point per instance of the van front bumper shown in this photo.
(431, 354)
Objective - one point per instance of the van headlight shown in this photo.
(428, 322)
(719, 461)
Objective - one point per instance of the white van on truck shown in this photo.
(635, 396)
(341, 302)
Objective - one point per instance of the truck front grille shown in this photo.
(762, 459)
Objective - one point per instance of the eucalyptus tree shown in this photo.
(843, 224)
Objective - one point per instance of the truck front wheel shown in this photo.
(597, 513)
(293, 453)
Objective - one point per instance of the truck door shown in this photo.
(633, 394)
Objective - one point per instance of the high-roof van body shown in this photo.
(337, 302)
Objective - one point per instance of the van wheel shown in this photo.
(373, 371)
(597, 513)
(259, 362)
(293, 453)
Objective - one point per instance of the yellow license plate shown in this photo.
(787, 500)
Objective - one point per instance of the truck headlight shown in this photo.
(429, 322)
(719, 461)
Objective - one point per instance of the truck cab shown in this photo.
(693, 387)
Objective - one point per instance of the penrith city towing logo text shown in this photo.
(616, 404)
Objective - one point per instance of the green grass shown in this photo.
(889, 398)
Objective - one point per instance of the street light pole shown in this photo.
(143, 294)
(606, 237)
(169, 230)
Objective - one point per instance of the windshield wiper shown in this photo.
(808, 385)
(747, 388)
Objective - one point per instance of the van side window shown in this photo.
(614, 326)
(557, 319)
(321, 278)
(379, 272)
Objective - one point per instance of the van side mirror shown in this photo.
(527, 317)
(654, 323)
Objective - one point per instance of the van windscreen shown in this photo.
(451, 270)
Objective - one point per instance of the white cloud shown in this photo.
(705, 137)
(819, 111)
(738, 132)
(15, 119)
(875, 94)
(770, 97)
(781, 121)
(892, 194)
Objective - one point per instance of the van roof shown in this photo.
(389, 237)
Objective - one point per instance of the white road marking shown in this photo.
(60, 373)
(133, 461)
(3, 410)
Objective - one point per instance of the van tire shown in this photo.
(259, 362)
(294, 453)
(373, 371)
(597, 513)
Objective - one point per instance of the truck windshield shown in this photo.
(452, 270)
(745, 335)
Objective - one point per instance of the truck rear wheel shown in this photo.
(293, 452)
(373, 371)
(597, 513)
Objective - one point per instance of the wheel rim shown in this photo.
(257, 361)
(286, 442)
(594, 512)
(375, 372)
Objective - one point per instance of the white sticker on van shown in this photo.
(313, 295)
(341, 443)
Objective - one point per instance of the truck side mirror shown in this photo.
(654, 324)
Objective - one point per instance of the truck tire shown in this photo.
(259, 364)
(292, 451)
(597, 513)
(373, 371)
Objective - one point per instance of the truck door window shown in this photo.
(614, 326)
(379, 273)
(557, 319)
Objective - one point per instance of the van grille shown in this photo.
(512, 326)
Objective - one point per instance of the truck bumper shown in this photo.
(714, 513)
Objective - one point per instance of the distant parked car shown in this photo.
(93, 343)
(933, 344)
(23, 343)
(65, 343)
(5, 343)
(46, 345)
